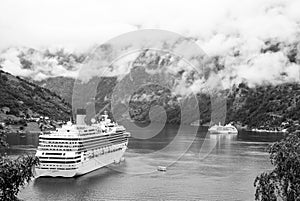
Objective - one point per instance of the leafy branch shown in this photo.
(284, 180)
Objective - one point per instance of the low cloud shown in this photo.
(253, 41)
(40, 64)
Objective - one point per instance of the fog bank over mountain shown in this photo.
(250, 41)
(40, 64)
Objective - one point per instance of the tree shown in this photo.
(14, 173)
(284, 180)
(3, 78)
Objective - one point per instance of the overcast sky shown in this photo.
(80, 24)
(221, 28)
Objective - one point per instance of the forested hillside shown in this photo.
(19, 97)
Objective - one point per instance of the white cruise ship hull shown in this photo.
(85, 166)
(77, 149)
(222, 132)
(227, 129)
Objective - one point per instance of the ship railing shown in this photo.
(42, 148)
(52, 135)
(48, 145)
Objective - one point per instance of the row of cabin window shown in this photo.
(88, 146)
(42, 157)
(43, 153)
(50, 149)
(103, 140)
(107, 141)
(108, 149)
(46, 165)
(63, 162)
(89, 130)
(51, 168)
(103, 152)
(54, 149)
(66, 146)
(58, 142)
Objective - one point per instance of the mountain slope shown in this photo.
(265, 106)
(261, 106)
(39, 64)
(63, 86)
(23, 98)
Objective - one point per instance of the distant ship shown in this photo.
(219, 129)
(77, 149)
(196, 123)
(269, 131)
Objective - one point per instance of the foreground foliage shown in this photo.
(14, 173)
(283, 182)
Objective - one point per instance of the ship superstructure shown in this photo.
(76, 149)
(219, 129)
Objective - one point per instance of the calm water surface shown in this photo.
(200, 167)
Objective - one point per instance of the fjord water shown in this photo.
(200, 166)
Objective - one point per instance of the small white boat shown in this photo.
(219, 129)
(196, 123)
(162, 168)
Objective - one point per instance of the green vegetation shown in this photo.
(265, 106)
(154, 95)
(269, 107)
(14, 173)
(20, 96)
(104, 93)
(283, 182)
(272, 107)
(63, 86)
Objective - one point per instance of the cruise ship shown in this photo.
(219, 129)
(77, 149)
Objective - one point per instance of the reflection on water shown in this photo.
(200, 167)
(80, 188)
(20, 143)
(23, 139)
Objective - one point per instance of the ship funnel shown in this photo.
(80, 116)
